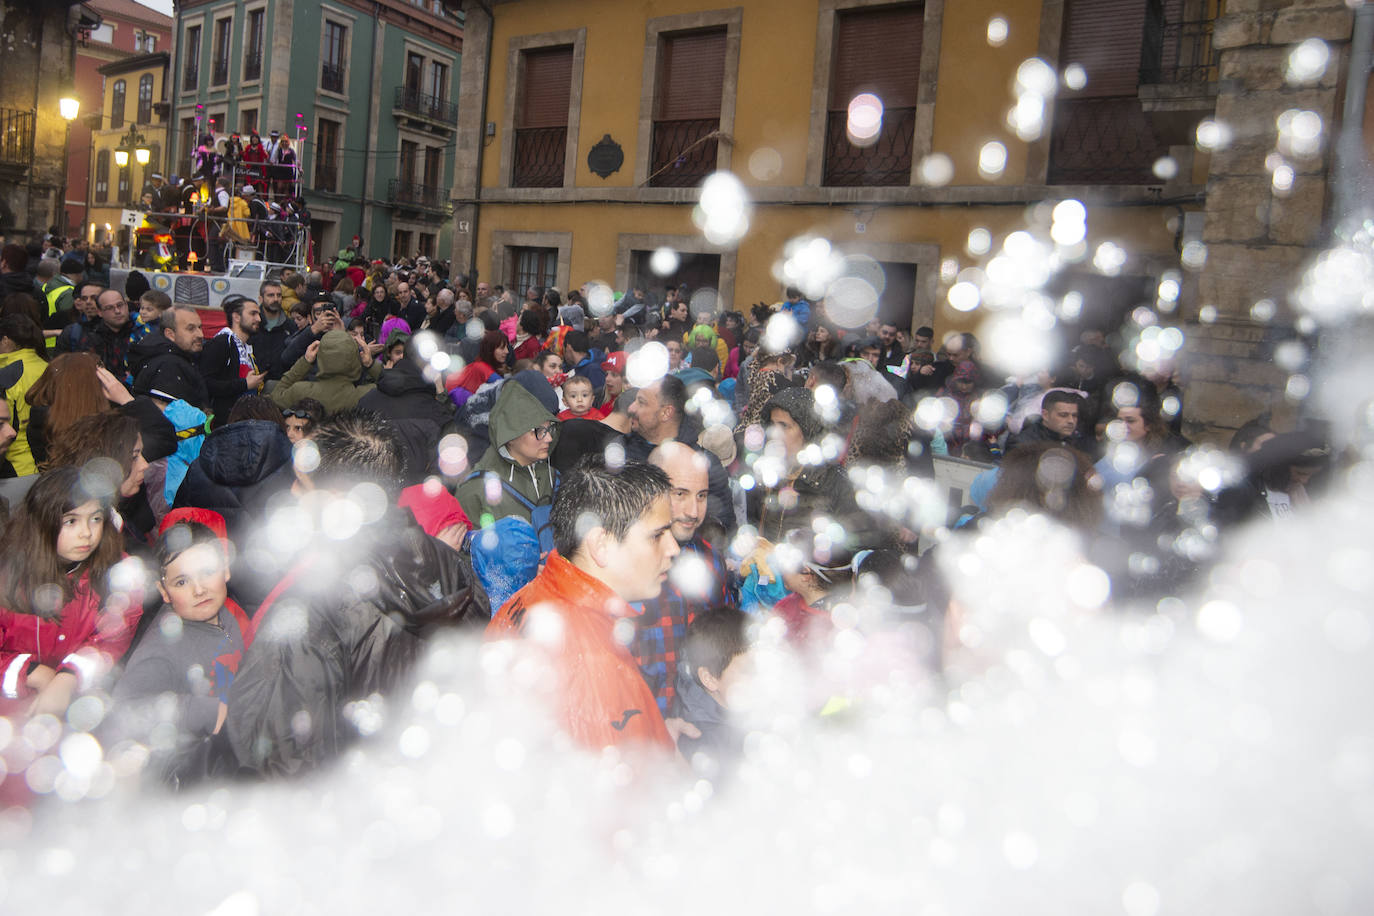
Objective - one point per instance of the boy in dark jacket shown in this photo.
(717, 657)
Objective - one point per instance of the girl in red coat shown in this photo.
(255, 160)
(67, 613)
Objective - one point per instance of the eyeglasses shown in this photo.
(114, 306)
(545, 432)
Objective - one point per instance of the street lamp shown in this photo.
(69, 106)
(132, 142)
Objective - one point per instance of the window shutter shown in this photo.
(547, 88)
(691, 76)
(1105, 37)
(878, 51)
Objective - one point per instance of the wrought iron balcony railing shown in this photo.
(413, 101)
(220, 75)
(16, 137)
(681, 155)
(537, 160)
(252, 65)
(1179, 52)
(412, 194)
(1103, 141)
(332, 78)
(883, 163)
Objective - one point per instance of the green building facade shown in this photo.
(365, 92)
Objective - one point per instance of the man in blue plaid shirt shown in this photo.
(698, 581)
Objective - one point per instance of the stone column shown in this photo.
(1258, 239)
(472, 136)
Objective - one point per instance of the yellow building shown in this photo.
(132, 98)
(587, 129)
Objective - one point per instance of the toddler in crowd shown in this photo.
(151, 305)
(718, 658)
(579, 399)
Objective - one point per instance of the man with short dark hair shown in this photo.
(270, 338)
(350, 619)
(163, 363)
(111, 338)
(659, 415)
(698, 581)
(1058, 423)
(85, 316)
(581, 358)
(614, 545)
(14, 277)
(890, 351)
(227, 361)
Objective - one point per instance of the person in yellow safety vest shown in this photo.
(59, 294)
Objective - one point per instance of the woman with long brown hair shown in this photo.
(113, 442)
(68, 390)
(65, 616)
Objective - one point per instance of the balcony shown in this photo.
(681, 153)
(332, 78)
(886, 162)
(1179, 67)
(408, 194)
(537, 160)
(414, 103)
(16, 141)
(190, 78)
(252, 66)
(1103, 141)
(220, 74)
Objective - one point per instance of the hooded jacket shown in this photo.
(328, 638)
(19, 454)
(163, 370)
(601, 697)
(240, 469)
(516, 413)
(405, 398)
(337, 371)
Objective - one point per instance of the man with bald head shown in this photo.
(698, 581)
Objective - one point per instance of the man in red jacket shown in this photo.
(613, 540)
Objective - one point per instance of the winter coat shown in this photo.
(819, 490)
(241, 469)
(516, 413)
(111, 346)
(164, 371)
(268, 344)
(337, 369)
(223, 373)
(18, 453)
(601, 697)
(88, 637)
(405, 398)
(328, 637)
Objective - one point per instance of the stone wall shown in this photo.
(1258, 239)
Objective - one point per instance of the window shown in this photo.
(123, 192)
(434, 166)
(541, 125)
(102, 176)
(326, 156)
(117, 105)
(401, 246)
(145, 42)
(427, 244)
(103, 33)
(218, 122)
(438, 81)
(415, 66)
(409, 151)
(145, 98)
(332, 71)
(688, 88)
(877, 52)
(533, 267)
(1101, 134)
(154, 158)
(188, 145)
(248, 121)
(252, 52)
(223, 34)
(191, 74)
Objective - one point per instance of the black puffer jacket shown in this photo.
(405, 398)
(161, 369)
(351, 622)
(241, 468)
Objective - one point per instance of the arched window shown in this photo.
(102, 176)
(117, 105)
(145, 98)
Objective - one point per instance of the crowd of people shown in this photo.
(238, 541)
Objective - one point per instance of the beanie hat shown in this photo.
(800, 405)
(207, 517)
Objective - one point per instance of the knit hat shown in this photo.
(207, 517)
(719, 441)
(800, 405)
(434, 507)
(965, 372)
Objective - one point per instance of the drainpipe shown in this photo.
(369, 172)
(481, 145)
(1351, 165)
